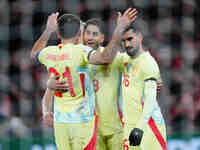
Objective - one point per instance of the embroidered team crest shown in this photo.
(135, 68)
(127, 65)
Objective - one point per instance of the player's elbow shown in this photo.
(106, 61)
(32, 55)
(98, 62)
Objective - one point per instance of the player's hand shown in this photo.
(82, 27)
(127, 18)
(47, 118)
(135, 137)
(54, 84)
(52, 22)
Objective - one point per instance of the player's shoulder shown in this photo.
(119, 60)
(45, 54)
(49, 49)
(119, 54)
(149, 65)
(149, 60)
(122, 56)
(84, 48)
(46, 51)
(53, 47)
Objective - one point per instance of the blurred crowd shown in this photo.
(172, 35)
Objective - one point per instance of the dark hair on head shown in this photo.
(97, 22)
(134, 27)
(68, 25)
(140, 26)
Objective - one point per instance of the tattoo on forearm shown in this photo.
(114, 44)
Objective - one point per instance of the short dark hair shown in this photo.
(97, 22)
(135, 28)
(68, 25)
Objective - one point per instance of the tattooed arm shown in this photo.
(110, 51)
(42, 41)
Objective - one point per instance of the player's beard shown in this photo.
(132, 51)
(94, 45)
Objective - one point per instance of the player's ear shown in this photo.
(140, 36)
(58, 35)
(78, 34)
(102, 38)
(78, 37)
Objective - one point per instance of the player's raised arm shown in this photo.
(42, 41)
(82, 25)
(96, 57)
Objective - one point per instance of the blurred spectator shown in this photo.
(17, 128)
(183, 114)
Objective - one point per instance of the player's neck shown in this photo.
(141, 50)
(98, 48)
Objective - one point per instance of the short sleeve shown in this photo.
(151, 70)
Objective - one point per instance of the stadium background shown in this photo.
(173, 37)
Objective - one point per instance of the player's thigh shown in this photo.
(83, 135)
(61, 136)
(115, 141)
(150, 140)
(101, 143)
